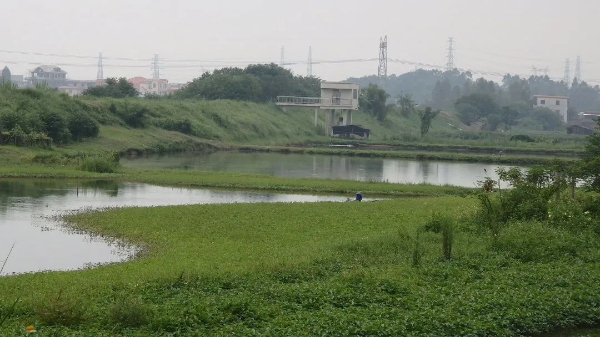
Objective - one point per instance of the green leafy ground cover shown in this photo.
(313, 269)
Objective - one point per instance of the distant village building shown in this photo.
(555, 103)
(590, 115)
(175, 86)
(581, 127)
(150, 86)
(56, 78)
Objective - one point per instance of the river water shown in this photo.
(325, 166)
(28, 208)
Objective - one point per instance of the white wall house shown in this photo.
(339, 95)
(150, 85)
(560, 104)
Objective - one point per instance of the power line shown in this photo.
(341, 61)
(69, 55)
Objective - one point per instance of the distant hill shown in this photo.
(419, 83)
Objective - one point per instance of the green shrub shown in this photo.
(436, 223)
(82, 126)
(100, 164)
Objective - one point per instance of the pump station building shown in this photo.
(338, 100)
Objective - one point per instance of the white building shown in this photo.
(339, 95)
(560, 104)
(152, 86)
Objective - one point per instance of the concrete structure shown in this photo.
(560, 104)
(335, 96)
(150, 86)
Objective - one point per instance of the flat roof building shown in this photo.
(560, 104)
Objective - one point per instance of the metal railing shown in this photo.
(292, 100)
(313, 101)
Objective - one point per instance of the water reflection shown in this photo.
(322, 166)
(28, 208)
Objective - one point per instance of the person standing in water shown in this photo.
(358, 196)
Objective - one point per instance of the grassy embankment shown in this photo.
(314, 269)
(189, 125)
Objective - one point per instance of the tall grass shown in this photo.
(104, 163)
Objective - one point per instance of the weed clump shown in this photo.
(108, 163)
(61, 310)
(130, 312)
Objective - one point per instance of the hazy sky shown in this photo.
(491, 35)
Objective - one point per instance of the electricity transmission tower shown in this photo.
(100, 75)
(535, 70)
(578, 69)
(382, 69)
(450, 56)
(567, 77)
(309, 63)
(545, 70)
(155, 67)
(281, 60)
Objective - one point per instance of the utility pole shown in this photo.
(309, 63)
(155, 68)
(450, 56)
(545, 70)
(382, 69)
(281, 60)
(567, 77)
(578, 69)
(100, 75)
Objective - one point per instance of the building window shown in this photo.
(354, 93)
(543, 101)
(557, 102)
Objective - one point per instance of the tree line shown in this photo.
(485, 102)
